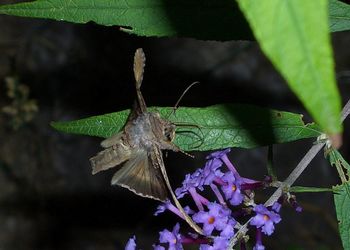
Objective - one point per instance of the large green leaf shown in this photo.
(210, 128)
(342, 206)
(339, 15)
(205, 19)
(295, 36)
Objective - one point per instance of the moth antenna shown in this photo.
(176, 106)
(139, 68)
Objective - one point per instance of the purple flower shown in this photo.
(200, 177)
(194, 180)
(216, 218)
(211, 171)
(219, 243)
(158, 247)
(293, 202)
(218, 154)
(232, 189)
(173, 238)
(168, 205)
(265, 219)
(259, 246)
(131, 244)
(276, 206)
(188, 210)
(222, 155)
(162, 207)
(228, 231)
(258, 243)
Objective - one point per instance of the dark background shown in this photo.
(48, 197)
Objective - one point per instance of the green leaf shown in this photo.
(205, 19)
(337, 160)
(295, 37)
(342, 206)
(339, 15)
(210, 128)
(300, 189)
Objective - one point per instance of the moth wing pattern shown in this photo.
(110, 157)
(140, 176)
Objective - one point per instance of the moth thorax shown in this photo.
(141, 132)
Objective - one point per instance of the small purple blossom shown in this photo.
(232, 189)
(131, 244)
(258, 243)
(218, 244)
(188, 210)
(158, 247)
(218, 194)
(228, 231)
(216, 218)
(218, 154)
(191, 181)
(265, 219)
(167, 205)
(259, 246)
(276, 206)
(172, 238)
(293, 202)
(162, 207)
(211, 171)
(200, 177)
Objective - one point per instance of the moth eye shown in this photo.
(169, 133)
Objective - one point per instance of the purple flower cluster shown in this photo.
(234, 204)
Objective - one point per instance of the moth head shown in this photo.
(169, 131)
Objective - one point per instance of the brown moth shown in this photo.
(137, 150)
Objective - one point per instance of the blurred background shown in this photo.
(57, 71)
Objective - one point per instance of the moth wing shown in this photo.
(113, 140)
(110, 157)
(141, 177)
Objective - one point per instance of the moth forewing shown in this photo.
(110, 157)
(140, 176)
